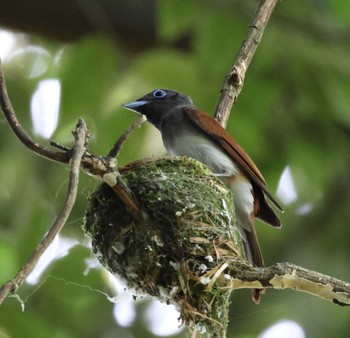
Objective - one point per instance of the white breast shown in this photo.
(205, 151)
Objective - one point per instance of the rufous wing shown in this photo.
(220, 135)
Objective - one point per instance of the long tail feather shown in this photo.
(254, 255)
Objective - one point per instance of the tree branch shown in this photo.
(77, 152)
(289, 276)
(234, 79)
(20, 132)
(104, 168)
(118, 145)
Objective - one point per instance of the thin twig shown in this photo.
(77, 153)
(113, 178)
(20, 132)
(234, 79)
(58, 146)
(118, 145)
(93, 165)
(97, 166)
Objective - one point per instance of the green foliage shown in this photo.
(293, 111)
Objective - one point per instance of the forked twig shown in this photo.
(101, 167)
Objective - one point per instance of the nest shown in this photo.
(179, 254)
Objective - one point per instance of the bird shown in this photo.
(188, 131)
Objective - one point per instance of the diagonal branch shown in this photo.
(114, 152)
(78, 150)
(20, 132)
(234, 79)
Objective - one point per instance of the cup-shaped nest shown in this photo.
(180, 252)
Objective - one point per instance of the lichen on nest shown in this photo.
(181, 250)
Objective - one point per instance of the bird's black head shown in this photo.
(159, 104)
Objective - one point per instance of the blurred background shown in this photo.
(69, 59)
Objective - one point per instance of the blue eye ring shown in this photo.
(159, 93)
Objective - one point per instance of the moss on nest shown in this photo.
(180, 252)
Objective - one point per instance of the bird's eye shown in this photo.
(159, 93)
